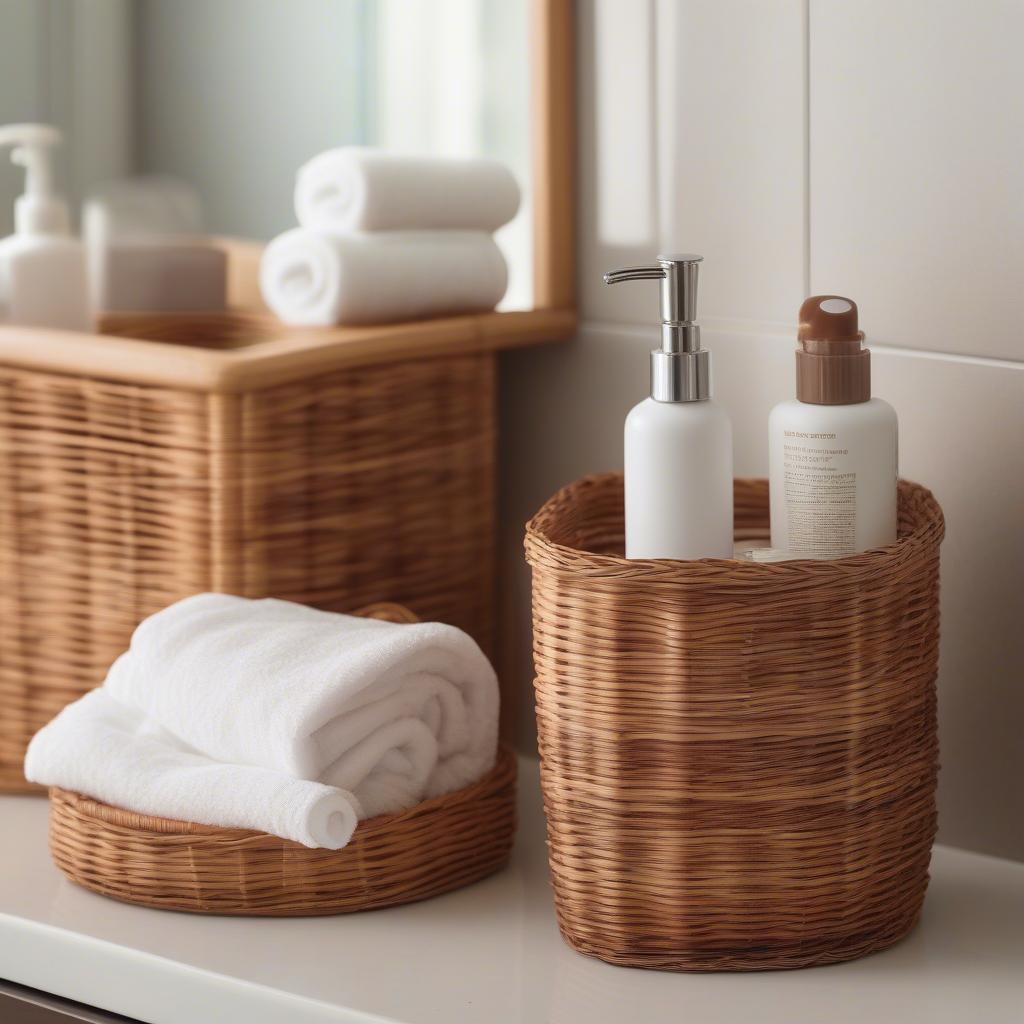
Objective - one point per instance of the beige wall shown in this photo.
(872, 149)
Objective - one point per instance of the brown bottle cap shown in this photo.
(832, 365)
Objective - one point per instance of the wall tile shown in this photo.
(691, 138)
(731, 141)
(916, 145)
(617, 198)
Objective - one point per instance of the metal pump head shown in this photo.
(680, 369)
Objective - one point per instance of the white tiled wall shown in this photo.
(863, 148)
(676, 150)
(917, 152)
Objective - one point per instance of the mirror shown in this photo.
(232, 96)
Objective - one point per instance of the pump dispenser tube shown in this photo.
(678, 442)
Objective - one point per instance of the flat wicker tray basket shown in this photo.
(738, 760)
(433, 848)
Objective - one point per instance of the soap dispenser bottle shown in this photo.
(43, 280)
(678, 442)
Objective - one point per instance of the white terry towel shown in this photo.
(393, 713)
(356, 189)
(110, 752)
(313, 278)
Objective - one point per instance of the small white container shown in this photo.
(169, 275)
(833, 451)
(43, 281)
(146, 249)
(678, 442)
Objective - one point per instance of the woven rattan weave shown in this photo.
(340, 486)
(738, 760)
(437, 846)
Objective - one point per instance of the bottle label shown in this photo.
(821, 495)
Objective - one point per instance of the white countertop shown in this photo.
(490, 953)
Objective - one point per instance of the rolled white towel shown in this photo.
(355, 189)
(105, 750)
(393, 713)
(312, 278)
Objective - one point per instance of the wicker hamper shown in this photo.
(738, 760)
(216, 452)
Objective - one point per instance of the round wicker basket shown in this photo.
(738, 760)
(437, 846)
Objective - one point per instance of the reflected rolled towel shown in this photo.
(392, 713)
(309, 277)
(355, 189)
(102, 749)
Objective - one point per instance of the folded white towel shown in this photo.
(354, 189)
(110, 752)
(313, 278)
(393, 713)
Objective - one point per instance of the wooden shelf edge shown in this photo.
(105, 357)
(295, 356)
(282, 354)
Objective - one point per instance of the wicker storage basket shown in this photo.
(216, 453)
(738, 760)
(433, 848)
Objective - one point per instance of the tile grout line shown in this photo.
(806, 47)
(770, 328)
(652, 85)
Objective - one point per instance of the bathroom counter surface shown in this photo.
(489, 953)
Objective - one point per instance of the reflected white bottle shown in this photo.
(43, 280)
(832, 452)
(678, 442)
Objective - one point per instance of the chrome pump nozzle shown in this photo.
(680, 369)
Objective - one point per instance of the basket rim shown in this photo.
(544, 553)
(503, 770)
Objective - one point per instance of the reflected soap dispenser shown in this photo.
(43, 281)
(678, 442)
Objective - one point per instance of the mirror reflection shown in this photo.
(229, 98)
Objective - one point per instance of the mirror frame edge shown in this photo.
(553, 156)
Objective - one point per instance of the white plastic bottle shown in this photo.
(833, 452)
(678, 442)
(43, 279)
